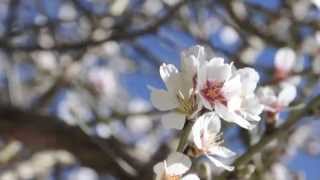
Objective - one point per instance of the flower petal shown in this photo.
(266, 95)
(287, 95)
(252, 107)
(207, 122)
(163, 100)
(221, 152)
(232, 87)
(173, 120)
(219, 73)
(171, 77)
(231, 116)
(249, 79)
(190, 177)
(216, 61)
(192, 58)
(159, 168)
(178, 164)
(220, 164)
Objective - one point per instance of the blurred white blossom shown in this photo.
(73, 110)
(284, 62)
(275, 103)
(103, 81)
(229, 36)
(83, 173)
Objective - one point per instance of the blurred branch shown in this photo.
(40, 131)
(248, 27)
(309, 109)
(115, 36)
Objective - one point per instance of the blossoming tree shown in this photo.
(159, 89)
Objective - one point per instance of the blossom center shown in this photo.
(171, 178)
(210, 140)
(166, 176)
(213, 92)
(187, 104)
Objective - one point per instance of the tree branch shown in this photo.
(43, 132)
(115, 36)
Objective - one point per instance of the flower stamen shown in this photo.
(213, 93)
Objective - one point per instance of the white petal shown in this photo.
(218, 73)
(202, 76)
(214, 124)
(221, 152)
(196, 133)
(178, 164)
(173, 120)
(207, 122)
(163, 100)
(287, 95)
(285, 59)
(220, 164)
(234, 103)
(166, 70)
(171, 77)
(266, 95)
(190, 177)
(252, 117)
(159, 168)
(192, 58)
(252, 105)
(232, 87)
(249, 79)
(231, 116)
(217, 61)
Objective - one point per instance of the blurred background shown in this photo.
(74, 76)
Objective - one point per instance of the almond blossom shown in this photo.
(180, 95)
(230, 92)
(276, 103)
(208, 140)
(284, 61)
(176, 165)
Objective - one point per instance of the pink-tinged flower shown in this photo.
(284, 61)
(208, 140)
(276, 103)
(179, 98)
(230, 92)
(176, 165)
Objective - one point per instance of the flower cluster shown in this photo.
(204, 92)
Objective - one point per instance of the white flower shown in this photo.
(284, 61)
(276, 103)
(207, 139)
(173, 168)
(190, 177)
(229, 92)
(180, 94)
(103, 81)
(73, 110)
